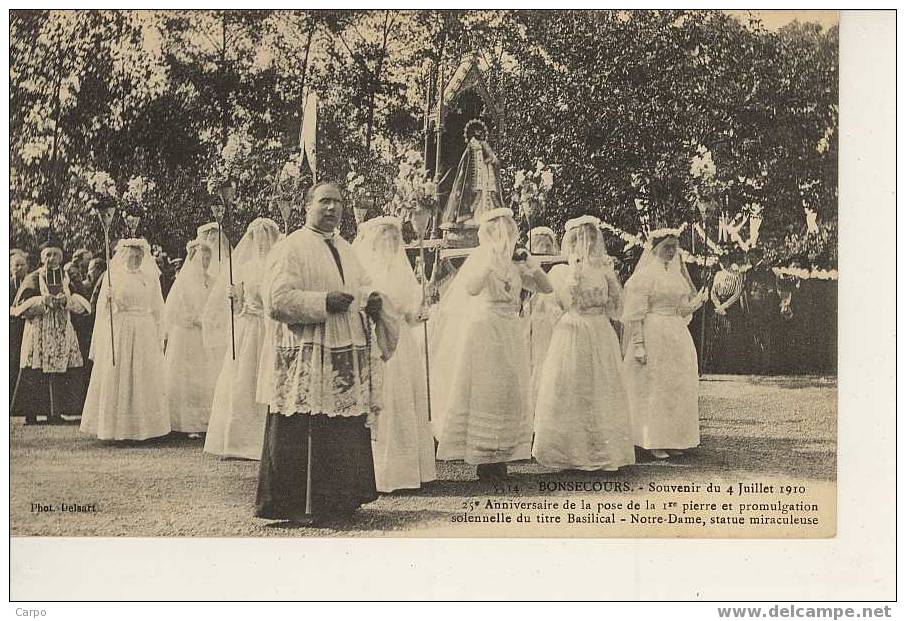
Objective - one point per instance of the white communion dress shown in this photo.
(125, 400)
(663, 393)
(239, 410)
(190, 369)
(403, 445)
(236, 426)
(582, 412)
(481, 379)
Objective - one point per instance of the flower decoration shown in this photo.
(137, 190)
(290, 173)
(355, 186)
(230, 167)
(95, 186)
(413, 187)
(531, 187)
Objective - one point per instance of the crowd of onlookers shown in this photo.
(83, 271)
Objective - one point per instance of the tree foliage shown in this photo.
(618, 102)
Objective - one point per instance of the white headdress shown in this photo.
(583, 240)
(543, 231)
(212, 234)
(248, 265)
(147, 271)
(649, 268)
(190, 289)
(379, 248)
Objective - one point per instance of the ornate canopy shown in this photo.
(470, 75)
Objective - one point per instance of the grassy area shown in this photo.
(773, 427)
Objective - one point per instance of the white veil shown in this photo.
(188, 294)
(497, 236)
(212, 235)
(248, 265)
(647, 270)
(584, 247)
(379, 248)
(538, 233)
(119, 269)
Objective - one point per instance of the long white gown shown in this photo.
(403, 447)
(125, 401)
(190, 369)
(236, 426)
(582, 412)
(543, 313)
(663, 393)
(483, 390)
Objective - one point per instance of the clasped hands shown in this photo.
(56, 301)
(236, 294)
(339, 301)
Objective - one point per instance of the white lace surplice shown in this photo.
(49, 341)
(321, 363)
(582, 411)
(663, 394)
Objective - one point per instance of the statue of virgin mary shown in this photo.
(476, 188)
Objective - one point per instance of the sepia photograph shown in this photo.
(423, 273)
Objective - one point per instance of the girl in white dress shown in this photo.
(480, 369)
(238, 414)
(125, 400)
(217, 335)
(542, 309)
(582, 413)
(404, 445)
(661, 363)
(190, 370)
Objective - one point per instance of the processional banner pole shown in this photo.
(421, 251)
(308, 147)
(227, 193)
(420, 224)
(105, 215)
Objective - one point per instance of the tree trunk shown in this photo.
(223, 86)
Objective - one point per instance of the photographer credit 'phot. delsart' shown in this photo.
(423, 273)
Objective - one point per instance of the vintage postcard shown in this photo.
(332, 279)
(420, 273)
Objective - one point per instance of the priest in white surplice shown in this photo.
(317, 459)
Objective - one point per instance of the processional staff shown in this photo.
(308, 146)
(105, 215)
(227, 194)
(419, 219)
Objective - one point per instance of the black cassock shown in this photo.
(16, 326)
(338, 449)
(342, 473)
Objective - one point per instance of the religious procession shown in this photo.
(403, 258)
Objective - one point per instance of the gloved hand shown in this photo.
(639, 353)
(236, 294)
(374, 305)
(338, 301)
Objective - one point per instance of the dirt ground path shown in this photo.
(771, 428)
